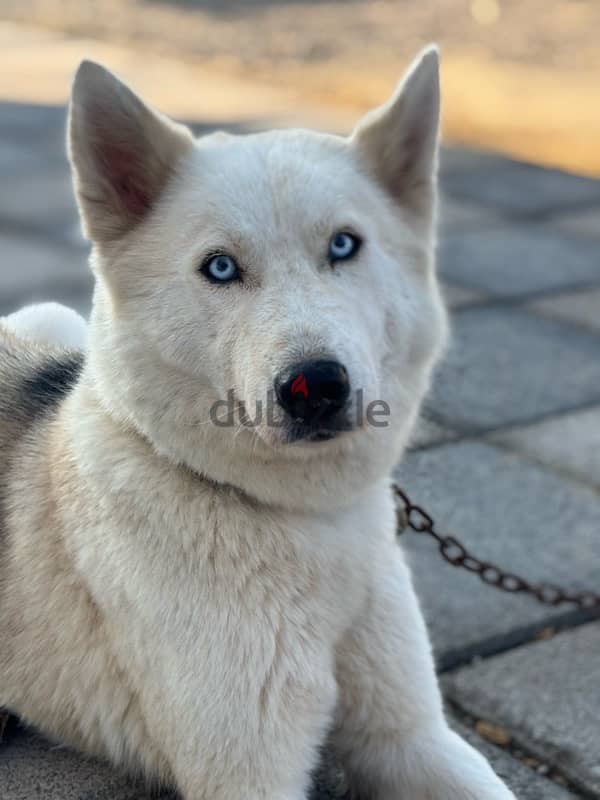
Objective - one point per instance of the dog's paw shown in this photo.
(445, 767)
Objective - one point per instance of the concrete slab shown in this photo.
(18, 158)
(459, 296)
(41, 201)
(34, 269)
(514, 260)
(503, 368)
(33, 769)
(548, 695)
(39, 128)
(523, 780)
(427, 433)
(454, 216)
(514, 188)
(582, 307)
(569, 443)
(509, 511)
(584, 222)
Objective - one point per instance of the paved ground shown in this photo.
(507, 454)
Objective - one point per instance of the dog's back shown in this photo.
(33, 380)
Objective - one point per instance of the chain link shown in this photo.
(454, 552)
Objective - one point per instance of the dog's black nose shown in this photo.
(313, 391)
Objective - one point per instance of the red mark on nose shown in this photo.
(299, 386)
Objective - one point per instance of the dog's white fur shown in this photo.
(49, 323)
(203, 604)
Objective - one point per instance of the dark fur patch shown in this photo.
(51, 381)
(32, 384)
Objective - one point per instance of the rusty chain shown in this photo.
(454, 552)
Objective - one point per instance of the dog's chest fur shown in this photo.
(199, 558)
(173, 581)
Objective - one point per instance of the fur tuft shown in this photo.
(50, 324)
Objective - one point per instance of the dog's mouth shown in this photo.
(297, 431)
(278, 427)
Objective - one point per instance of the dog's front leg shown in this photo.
(227, 768)
(232, 762)
(233, 731)
(391, 734)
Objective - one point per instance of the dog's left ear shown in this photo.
(399, 140)
(122, 152)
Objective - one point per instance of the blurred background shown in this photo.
(520, 76)
(507, 454)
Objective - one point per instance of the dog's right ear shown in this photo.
(122, 152)
(399, 141)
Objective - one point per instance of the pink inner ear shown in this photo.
(129, 178)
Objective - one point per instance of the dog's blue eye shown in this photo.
(343, 246)
(221, 268)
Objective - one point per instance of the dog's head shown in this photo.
(266, 309)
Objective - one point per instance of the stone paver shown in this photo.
(548, 695)
(525, 782)
(582, 307)
(459, 296)
(36, 185)
(570, 443)
(506, 366)
(38, 129)
(33, 269)
(33, 769)
(509, 511)
(427, 432)
(47, 198)
(454, 216)
(585, 222)
(512, 187)
(515, 259)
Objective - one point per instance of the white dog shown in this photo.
(206, 596)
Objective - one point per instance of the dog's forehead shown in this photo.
(282, 171)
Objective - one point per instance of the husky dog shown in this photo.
(202, 603)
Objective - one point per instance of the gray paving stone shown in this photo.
(524, 781)
(32, 269)
(455, 216)
(42, 200)
(570, 443)
(585, 222)
(517, 259)
(506, 366)
(548, 695)
(40, 129)
(459, 296)
(507, 510)
(512, 187)
(582, 307)
(36, 184)
(427, 432)
(31, 768)
(18, 158)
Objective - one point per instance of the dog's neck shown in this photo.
(217, 470)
